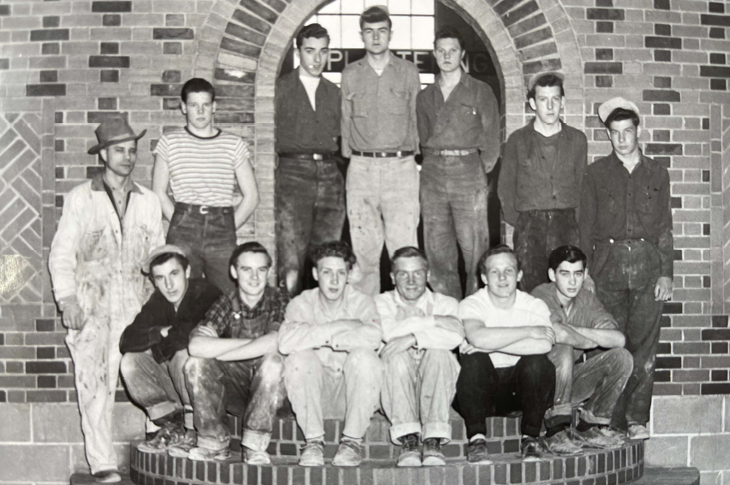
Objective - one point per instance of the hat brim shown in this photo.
(97, 148)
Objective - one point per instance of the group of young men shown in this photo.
(192, 349)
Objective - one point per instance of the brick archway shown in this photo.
(241, 47)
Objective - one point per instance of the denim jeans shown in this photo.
(310, 210)
(208, 241)
(483, 391)
(159, 388)
(625, 274)
(253, 389)
(417, 393)
(454, 208)
(599, 380)
(316, 392)
(382, 206)
(536, 234)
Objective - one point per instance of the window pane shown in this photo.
(353, 6)
(423, 32)
(422, 7)
(333, 7)
(335, 77)
(401, 33)
(333, 25)
(350, 32)
(399, 7)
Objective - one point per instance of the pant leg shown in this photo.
(303, 378)
(296, 193)
(400, 395)
(186, 232)
(476, 391)
(267, 396)
(399, 202)
(601, 380)
(535, 389)
(363, 372)
(96, 361)
(437, 375)
(529, 242)
(365, 218)
(219, 241)
(150, 384)
(439, 233)
(329, 208)
(562, 358)
(176, 369)
(562, 229)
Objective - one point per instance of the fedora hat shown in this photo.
(112, 131)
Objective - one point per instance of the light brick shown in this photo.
(709, 452)
(666, 450)
(22, 463)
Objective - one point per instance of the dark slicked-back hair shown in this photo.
(621, 114)
(312, 30)
(408, 252)
(449, 32)
(197, 85)
(546, 81)
(493, 251)
(165, 257)
(567, 253)
(249, 247)
(374, 15)
(334, 249)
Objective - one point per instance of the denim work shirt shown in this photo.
(527, 182)
(379, 112)
(97, 257)
(468, 119)
(618, 205)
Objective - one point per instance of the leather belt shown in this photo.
(612, 241)
(306, 156)
(399, 154)
(203, 209)
(450, 153)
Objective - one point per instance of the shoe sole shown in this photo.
(345, 465)
(434, 461)
(528, 459)
(112, 479)
(485, 461)
(177, 453)
(311, 464)
(410, 461)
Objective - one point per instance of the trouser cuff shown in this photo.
(255, 440)
(559, 410)
(441, 431)
(591, 418)
(212, 443)
(189, 417)
(162, 409)
(400, 430)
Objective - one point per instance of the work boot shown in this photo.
(409, 454)
(312, 454)
(432, 454)
(477, 452)
(349, 453)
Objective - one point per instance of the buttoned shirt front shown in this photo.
(379, 112)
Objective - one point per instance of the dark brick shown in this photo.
(718, 84)
(662, 42)
(604, 54)
(719, 321)
(672, 308)
(45, 353)
(534, 37)
(109, 76)
(706, 280)
(661, 135)
(718, 375)
(662, 376)
(49, 34)
(714, 388)
(717, 58)
(662, 29)
(661, 82)
(45, 367)
(527, 25)
(245, 34)
(59, 201)
(604, 27)
(46, 382)
(46, 396)
(109, 48)
(521, 12)
(111, 20)
(504, 6)
(715, 334)
(661, 4)
(664, 95)
(233, 91)
(706, 229)
(111, 6)
(515, 472)
(603, 68)
(96, 117)
(109, 61)
(247, 50)
(253, 22)
(165, 90)
(235, 76)
(172, 48)
(716, 7)
(669, 363)
(5, 63)
(58, 117)
(107, 103)
(260, 10)
(714, 71)
(3, 396)
(661, 109)
(500, 473)
(171, 103)
(665, 322)
(719, 20)
(717, 33)
(50, 48)
(676, 202)
(604, 81)
(51, 22)
(45, 90)
(662, 56)
(604, 14)
(4, 9)
(172, 33)
(678, 255)
(45, 324)
(171, 77)
(277, 5)
(49, 76)
(604, 3)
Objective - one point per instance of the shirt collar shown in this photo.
(97, 184)
(240, 307)
(423, 302)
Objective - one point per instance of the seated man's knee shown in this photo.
(301, 363)
(538, 365)
(621, 360)
(272, 366)
(130, 364)
(562, 358)
(363, 362)
(195, 367)
(398, 365)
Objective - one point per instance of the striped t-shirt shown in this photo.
(202, 169)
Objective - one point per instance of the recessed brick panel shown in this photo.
(604, 14)
(112, 6)
(664, 95)
(662, 42)
(109, 61)
(603, 68)
(261, 9)
(242, 48)
(172, 33)
(49, 34)
(45, 90)
(719, 20)
(252, 21)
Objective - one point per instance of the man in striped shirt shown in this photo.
(201, 165)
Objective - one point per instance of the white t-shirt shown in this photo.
(527, 311)
(310, 86)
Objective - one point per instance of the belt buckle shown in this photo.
(317, 156)
(203, 209)
(398, 154)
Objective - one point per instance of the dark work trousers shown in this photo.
(483, 391)
(536, 234)
(253, 389)
(208, 237)
(310, 210)
(454, 209)
(626, 273)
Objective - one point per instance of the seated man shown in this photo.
(420, 328)
(504, 366)
(155, 347)
(581, 323)
(234, 364)
(331, 334)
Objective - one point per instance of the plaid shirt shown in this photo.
(229, 317)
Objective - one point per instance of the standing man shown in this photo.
(201, 164)
(540, 179)
(582, 324)
(626, 233)
(310, 189)
(155, 347)
(234, 364)
(420, 328)
(504, 366)
(108, 227)
(458, 125)
(332, 370)
(379, 135)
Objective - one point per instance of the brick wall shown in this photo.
(64, 65)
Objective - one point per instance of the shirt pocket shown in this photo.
(647, 197)
(396, 102)
(606, 201)
(358, 104)
(94, 246)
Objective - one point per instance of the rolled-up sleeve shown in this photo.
(368, 335)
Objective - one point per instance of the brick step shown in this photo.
(669, 476)
(88, 479)
(595, 467)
